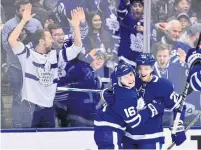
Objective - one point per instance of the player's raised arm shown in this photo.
(13, 38)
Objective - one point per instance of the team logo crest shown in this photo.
(112, 23)
(140, 103)
(46, 74)
(136, 42)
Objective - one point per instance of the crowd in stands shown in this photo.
(109, 31)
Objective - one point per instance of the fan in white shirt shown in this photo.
(40, 63)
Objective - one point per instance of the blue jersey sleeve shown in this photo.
(170, 97)
(125, 16)
(125, 106)
(193, 56)
(195, 77)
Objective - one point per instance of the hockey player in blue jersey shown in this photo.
(112, 120)
(193, 60)
(150, 87)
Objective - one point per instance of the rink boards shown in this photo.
(75, 138)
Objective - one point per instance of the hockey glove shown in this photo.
(155, 108)
(108, 96)
(180, 135)
(176, 100)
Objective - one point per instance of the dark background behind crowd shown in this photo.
(175, 24)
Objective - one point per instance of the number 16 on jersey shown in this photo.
(130, 111)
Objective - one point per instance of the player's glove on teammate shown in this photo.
(108, 96)
(180, 135)
(155, 108)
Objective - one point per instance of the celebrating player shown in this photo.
(150, 87)
(112, 120)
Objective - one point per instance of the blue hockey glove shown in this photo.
(155, 108)
(108, 96)
(180, 135)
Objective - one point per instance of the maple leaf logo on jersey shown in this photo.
(140, 104)
(46, 74)
(136, 42)
(112, 23)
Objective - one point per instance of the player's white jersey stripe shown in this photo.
(197, 81)
(158, 146)
(105, 123)
(135, 125)
(115, 140)
(145, 136)
(133, 119)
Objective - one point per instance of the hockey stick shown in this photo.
(78, 90)
(101, 101)
(187, 128)
(186, 91)
(179, 110)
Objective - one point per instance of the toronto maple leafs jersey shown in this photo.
(174, 52)
(193, 60)
(175, 72)
(158, 89)
(122, 113)
(131, 42)
(109, 15)
(62, 71)
(80, 75)
(40, 72)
